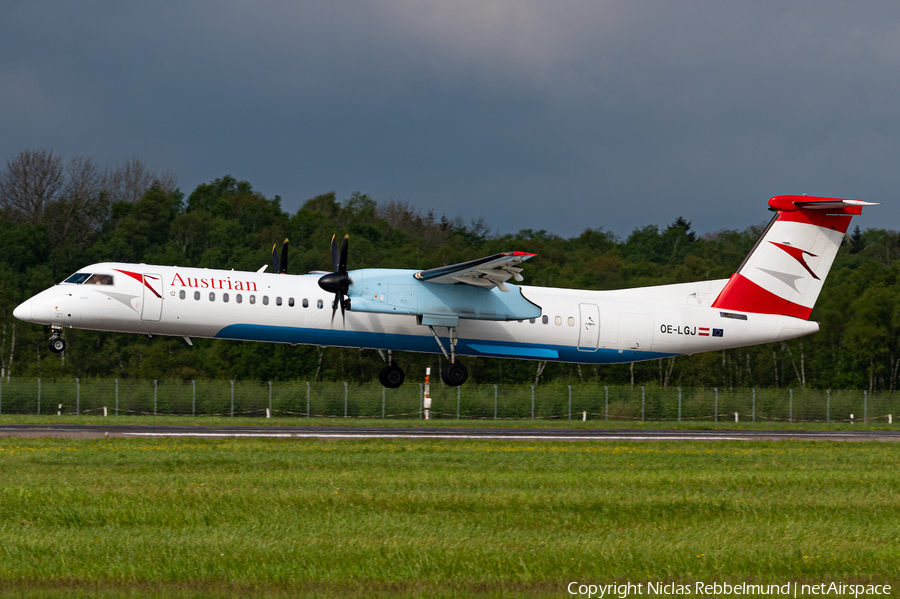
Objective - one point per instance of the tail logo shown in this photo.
(797, 254)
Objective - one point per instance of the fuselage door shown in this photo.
(635, 331)
(589, 333)
(153, 297)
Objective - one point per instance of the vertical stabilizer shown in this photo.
(785, 270)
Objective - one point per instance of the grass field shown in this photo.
(94, 419)
(290, 518)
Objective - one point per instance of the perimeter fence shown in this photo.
(371, 400)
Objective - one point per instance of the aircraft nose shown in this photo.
(23, 311)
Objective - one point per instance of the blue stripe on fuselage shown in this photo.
(515, 351)
(427, 344)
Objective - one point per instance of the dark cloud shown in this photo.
(541, 115)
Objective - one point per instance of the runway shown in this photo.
(370, 432)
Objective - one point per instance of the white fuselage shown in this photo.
(575, 325)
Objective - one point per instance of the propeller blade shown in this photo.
(334, 306)
(342, 265)
(284, 255)
(334, 253)
(275, 264)
(337, 282)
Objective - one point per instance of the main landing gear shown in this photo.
(391, 376)
(57, 344)
(455, 373)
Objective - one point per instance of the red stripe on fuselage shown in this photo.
(743, 295)
(140, 278)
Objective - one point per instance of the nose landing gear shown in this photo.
(57, 344)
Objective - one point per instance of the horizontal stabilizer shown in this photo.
(791, 203)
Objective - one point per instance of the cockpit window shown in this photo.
(78, 278)
(86, 278)
(99, 280)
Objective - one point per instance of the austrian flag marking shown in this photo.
(703, 331)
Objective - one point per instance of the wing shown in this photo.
(492, 271)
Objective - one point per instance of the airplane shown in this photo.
(467, 309)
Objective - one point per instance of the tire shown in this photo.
(391, 376)
(454, 374)
(57, 345)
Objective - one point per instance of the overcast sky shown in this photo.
(542, 115)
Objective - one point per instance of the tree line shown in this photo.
(58, 215)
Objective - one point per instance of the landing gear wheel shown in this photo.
(57, 345)
(391, 376)
(454, 374)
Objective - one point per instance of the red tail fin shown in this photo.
(785, 270)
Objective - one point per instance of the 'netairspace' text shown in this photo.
(791, 589)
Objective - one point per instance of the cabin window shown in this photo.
(291, 302)
(181, 294)
(571, 321)
(531, 320)
(238, 298)
(225, 297)
(265, 300)
(252, 299)
(78, 278)
(558, 320)
(196, 295)
(319, 304)
(212, 296)
(305, 303)
(278, 301)
(99, 280)
(545, 319)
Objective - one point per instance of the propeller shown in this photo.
(338, 282)
(280, 266)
